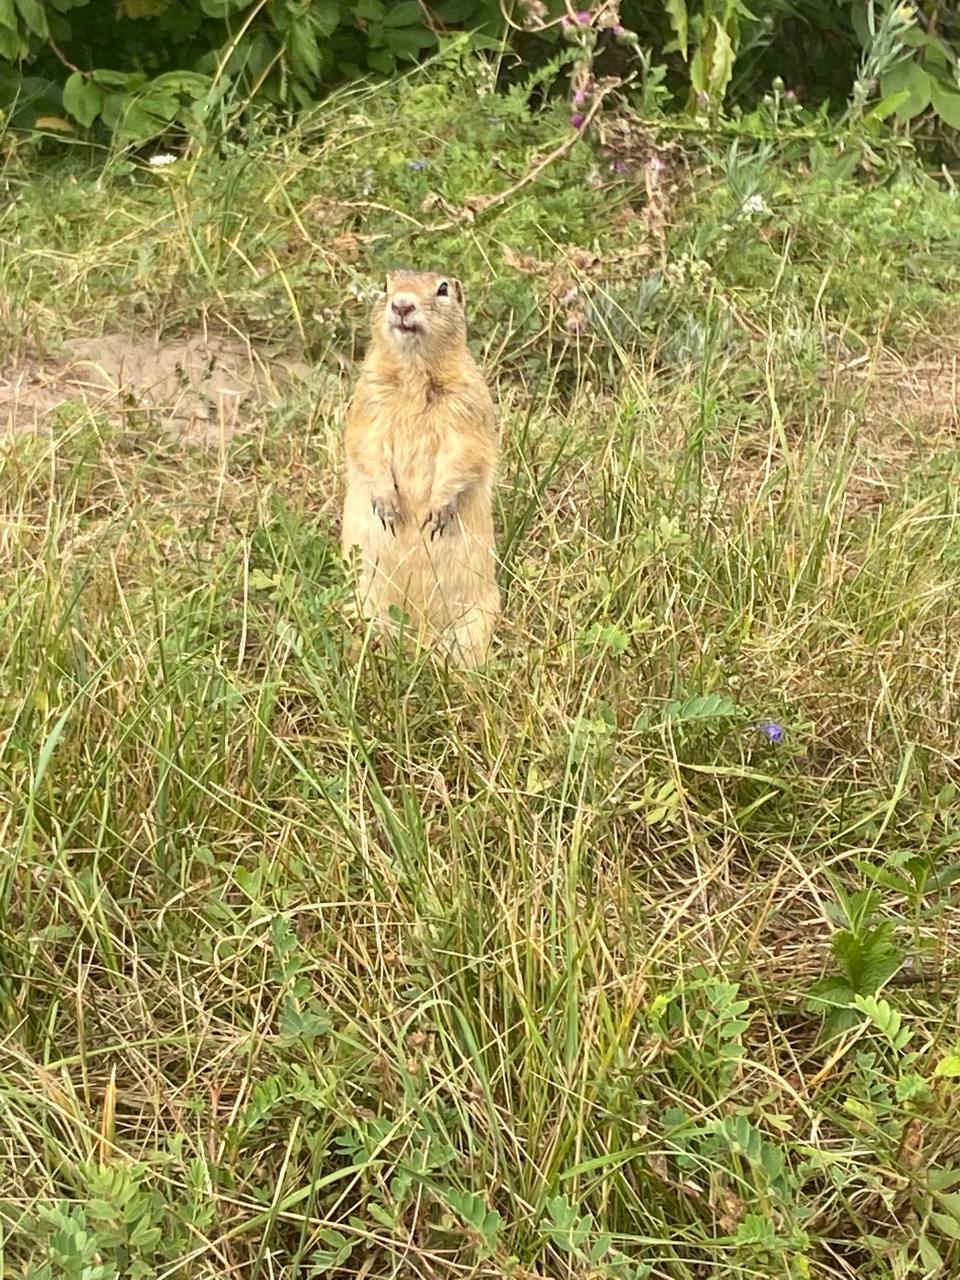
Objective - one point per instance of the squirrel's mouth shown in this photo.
(405, 325)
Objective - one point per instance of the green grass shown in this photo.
(317, 958)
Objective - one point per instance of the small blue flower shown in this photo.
(771, 730)
(418, 165)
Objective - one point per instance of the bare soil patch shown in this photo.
(199, 387)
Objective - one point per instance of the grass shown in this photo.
(316, 959)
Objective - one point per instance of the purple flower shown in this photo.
(772, 731)
(579, 98)
(584, 17)
(790, 96)
(577, 119)
(618, 30)
(419, 165)
(619, 166)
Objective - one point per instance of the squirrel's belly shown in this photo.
(414, 461)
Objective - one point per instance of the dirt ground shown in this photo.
(194, 386)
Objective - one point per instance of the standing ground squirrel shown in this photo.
(421, 452)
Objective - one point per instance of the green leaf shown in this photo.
(868, 958)
(369, 10)
(452, 11)
(337, 1250)
(8, 16)
(946, 103)
(191, 83)
(946, 1224)
(11, 46)
(381, 60)
(888, 105)
(325, 16)
(950, 1200)
(117, 79)
(405, 14)
(679, 20)
(910, 78)
(721, 63)
(34, 15)
(411, 41)
(885, 1017)
(222, 8)
(82, 98)
(137, 122)
(931, 1260)
(947, 1068)
(303, 51)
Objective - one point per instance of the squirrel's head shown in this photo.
(420, 311)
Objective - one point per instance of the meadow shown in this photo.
(632, 956)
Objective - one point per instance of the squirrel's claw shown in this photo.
(387, 511)
(439, 519)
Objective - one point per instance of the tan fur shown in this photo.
(421, 452)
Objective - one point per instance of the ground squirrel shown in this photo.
(421, 452)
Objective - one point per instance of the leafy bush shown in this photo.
(142, 67)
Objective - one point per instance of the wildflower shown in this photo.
(577, 119)
(579, 98)
(584, 18)
(619, 166)
(161, 161)
(790, 96)
(418, 165)
(774, 732)
(754, 204)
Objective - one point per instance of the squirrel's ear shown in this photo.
(458, 290)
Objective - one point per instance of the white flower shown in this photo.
(159, 161)
(755, 204)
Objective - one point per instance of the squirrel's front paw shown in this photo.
(439, 520)
(387, 510)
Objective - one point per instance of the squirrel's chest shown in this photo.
(413, 441)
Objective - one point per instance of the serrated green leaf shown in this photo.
(303, 51)
(325, 16)
(679, 20)
(947, 1068)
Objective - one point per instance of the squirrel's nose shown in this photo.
(403, 309)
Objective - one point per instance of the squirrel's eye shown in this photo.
(442, 289)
